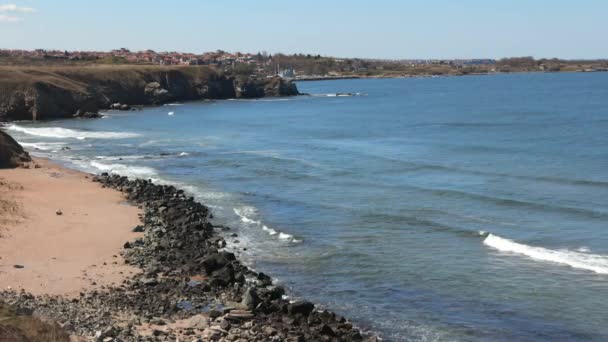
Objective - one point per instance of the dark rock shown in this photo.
(18, 266)
(214, 314)
(264, 280)
(138, 229)
(250, 299)
(223, 277)
(300, 307)
(327, 331)
(156, 94)
(11, 153)
(217, 261)
(148, 281)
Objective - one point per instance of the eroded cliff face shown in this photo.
(269, 87)
(47, 93)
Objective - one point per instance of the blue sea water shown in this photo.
(424, 209)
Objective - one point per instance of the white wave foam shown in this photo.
(42, 146)
(270, 231)
(591, 262)
(242, 212)
(58, 132)
(128, 157)
(125, 170)
(248, 220)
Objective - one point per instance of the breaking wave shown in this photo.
(43, 146)
(243, 213)
(580, 260)
(124, 170)
(58, 132)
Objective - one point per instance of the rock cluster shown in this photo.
(189, 289)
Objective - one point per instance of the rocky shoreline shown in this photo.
(39, 93)
(190, 288)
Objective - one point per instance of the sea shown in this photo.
(423, 209)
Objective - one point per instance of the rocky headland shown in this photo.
(38, 93)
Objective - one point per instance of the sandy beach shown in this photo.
(61, 233)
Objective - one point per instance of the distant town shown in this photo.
(299, 66)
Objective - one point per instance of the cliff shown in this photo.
(30, 93)
(11, 153)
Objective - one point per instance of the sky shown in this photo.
(391, 29)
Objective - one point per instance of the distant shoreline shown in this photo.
(354, 77)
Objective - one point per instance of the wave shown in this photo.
(124, 170)
(246, 212)
(58, 132)
(405, 166)
(43, 146)
(338, 95)
(579, 260)
(515, 203)
(127, 157)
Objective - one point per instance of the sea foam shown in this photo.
(245, 212)
(126, 170)
(58, 132)
(42, 146)
(586, 261)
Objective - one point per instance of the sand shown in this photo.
(68, 253)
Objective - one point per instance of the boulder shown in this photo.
(11, 153)
(300, 307)
(250, 299)
(155, 93)
(197, 322)
(217, 261)
(223, 276)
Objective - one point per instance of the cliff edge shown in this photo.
(38, 93)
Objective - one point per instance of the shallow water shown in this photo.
(468, 209)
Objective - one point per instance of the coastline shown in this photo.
(181, 284)
(41, 93)
(355, 77)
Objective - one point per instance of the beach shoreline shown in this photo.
(172, 279)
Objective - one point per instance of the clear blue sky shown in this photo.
(378, 28)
